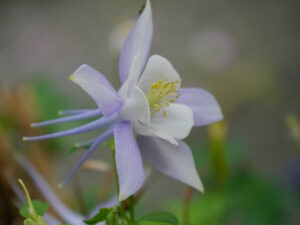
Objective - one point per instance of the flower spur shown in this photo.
(151, 104)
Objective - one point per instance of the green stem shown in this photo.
(116, 172)
(131, 208)
(123, 214)
(31, 210)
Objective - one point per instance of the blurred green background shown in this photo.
(245, 52)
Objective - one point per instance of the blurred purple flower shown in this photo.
(66, 214)
(150, 103)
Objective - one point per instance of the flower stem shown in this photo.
(187, 197)
(116, 172)
(123, 213)
(121, 207)
(131, 208)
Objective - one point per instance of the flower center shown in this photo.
(162, 93)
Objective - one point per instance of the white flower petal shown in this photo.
(157, 68)
(151, 130)
(174, 161)
(136, 107)
(178, 121)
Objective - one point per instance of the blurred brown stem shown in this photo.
(106, 185)
(187, 197)
(142, 191)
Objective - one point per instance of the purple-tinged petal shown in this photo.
(64, 212)
(175, 161)
(74, 111)
(99, 88)
(204, 105)
(81, 116)
(128, 160)
(98, 141)
(97, 124)
(137, 45)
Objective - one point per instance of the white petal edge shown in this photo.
(153, 131)
(178, 121)
(174, 161)
(157, 68)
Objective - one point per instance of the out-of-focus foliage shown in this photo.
(40, 208)
(247, 200)
(247, 197)
(20, 106)
(294, 126)
(217, 134)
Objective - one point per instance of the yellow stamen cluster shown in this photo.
(162, 93)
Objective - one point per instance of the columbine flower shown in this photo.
(150, 103)
(66, 214)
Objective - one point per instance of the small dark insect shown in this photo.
(142, 9)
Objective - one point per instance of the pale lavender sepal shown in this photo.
(97, 124)
(137, 45)
(64, 212)
(99, 88)
(80, 116)
(204, 105)
(98, 141)
(128, 160)
(175, 161)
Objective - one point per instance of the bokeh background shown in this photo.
(245, 52)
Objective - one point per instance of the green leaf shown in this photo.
(29, 222)
(40, 208)
(99, 217)
(111, 218)
(160, 216)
